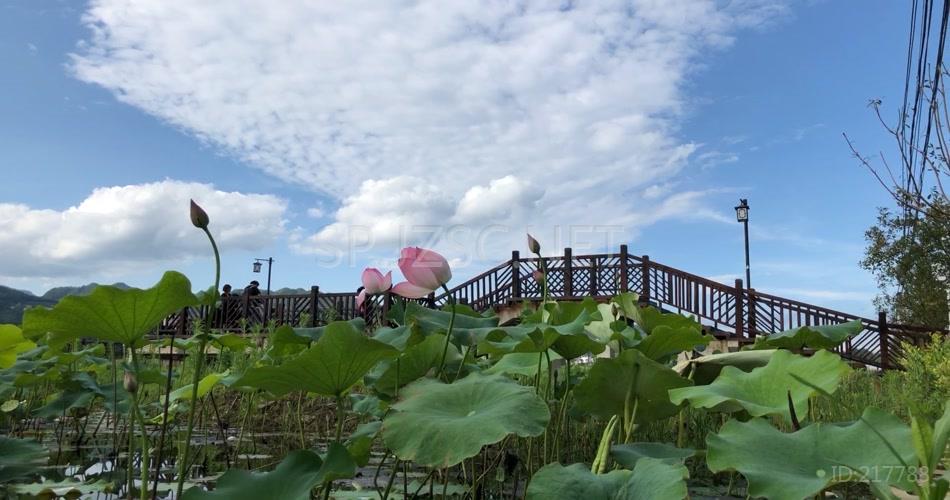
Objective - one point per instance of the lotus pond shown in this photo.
(582, 399)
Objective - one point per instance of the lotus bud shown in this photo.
(425, 271)
(533, 245)
(198, 216)
(538, 276)
(130, 383)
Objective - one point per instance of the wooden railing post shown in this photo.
(645, 285)
(314, 297)
(623, 268)
(182, 325)
(594, 271)
(515, 274)
(568, 272)
(245, 306)
(750, 323)
(387, 303)
(882, 336)
(740, 316)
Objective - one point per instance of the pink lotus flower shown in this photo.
(373, 282)
(425, 271)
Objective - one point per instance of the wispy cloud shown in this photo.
(512, 113)
(825, 295)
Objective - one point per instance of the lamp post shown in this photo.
(742, 215)
(257, 269)
(943, 276)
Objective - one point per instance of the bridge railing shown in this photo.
(733, 311)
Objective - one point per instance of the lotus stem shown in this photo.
(199, 363)
(600, 460)
(392, 477)
(448, 334)
(168, 390)
(137, 412)
(458, 373)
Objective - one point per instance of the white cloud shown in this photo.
(576, 104)
(501, 199)
(127, 226)
(710, 159)
(383, 212)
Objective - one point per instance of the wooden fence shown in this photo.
(729, 311)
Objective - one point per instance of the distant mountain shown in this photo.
(290, 291)
(55, 294)
(13, 302)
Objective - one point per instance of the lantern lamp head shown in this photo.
(742, 210)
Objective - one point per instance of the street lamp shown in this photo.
(943, 276)
(257, 269)
(742, 215)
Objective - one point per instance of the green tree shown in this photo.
(910, 258)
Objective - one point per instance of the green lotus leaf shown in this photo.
(12, 342)
(521, 338)
(293, 478)
(599, 326)
(814, 337)
(67, 488)
(110, 313)
(570, 320)
(649, 318)
(79, 390)
(941, 436)
(627, 304)
(766, 390)
(314, 334)
(284, 342)
(521, 363)
(204, 387)
(651, 479)
(704, 369)
(232, 341)
(605, 390)
(368, 405)
(655, 479)
(414, 363)
(151, 376)
(334, 364)
(628, 455)
(606, 329)
(20, 457)
(400, 337)
(566, 335)
(800, 464)
(439, 425)
(469, 327)
(665, 341)
(360, 443)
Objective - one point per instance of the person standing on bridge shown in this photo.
(253, 289)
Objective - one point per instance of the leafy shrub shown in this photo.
(925, 379)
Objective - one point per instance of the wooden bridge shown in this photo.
(727, 311)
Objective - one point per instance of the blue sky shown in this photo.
(293, 125)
